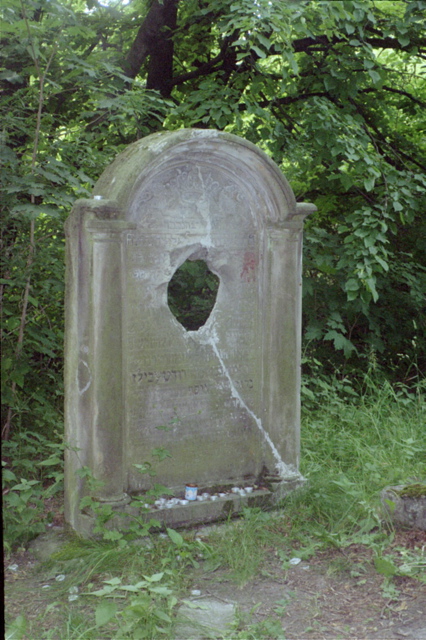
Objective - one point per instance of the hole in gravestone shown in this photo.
(191, 294)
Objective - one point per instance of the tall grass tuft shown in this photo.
(352, 449)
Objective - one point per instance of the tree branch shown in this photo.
(399, 91)
(383, 142)
(207, 67)
(378, 41)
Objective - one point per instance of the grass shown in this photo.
(351, 449)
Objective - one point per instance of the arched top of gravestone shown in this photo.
(140, 165)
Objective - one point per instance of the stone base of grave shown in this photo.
(195, 513)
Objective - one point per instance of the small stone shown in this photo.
(295, 561)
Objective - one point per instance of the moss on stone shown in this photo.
(416, 490)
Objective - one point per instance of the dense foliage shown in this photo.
(333, 91)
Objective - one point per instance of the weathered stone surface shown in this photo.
(46, 544)
(229, 392)
(403, 508)
(213, 619)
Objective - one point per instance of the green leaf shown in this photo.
(371, 287)
(385, 567)
(106, 591)
(374, 76)
(8, 475)
(17, 629)
(156, 577)
(175, 537)
(112, 535)
(133, 588)
(163, 591)
(263, 40)
(113, 581)
(340, 342)
(259, 52)
(50, 461)
(369, 183)
(369, 241)
(346, 180)
(403, 40)
(382, 263)
(352, 285)
(104, 613)
(391, 504)
(162, 615)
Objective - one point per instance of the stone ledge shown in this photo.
(195, 513)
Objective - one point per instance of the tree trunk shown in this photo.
(154, 39)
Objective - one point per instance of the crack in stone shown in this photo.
(285, 471)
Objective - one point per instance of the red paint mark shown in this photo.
(248, 274)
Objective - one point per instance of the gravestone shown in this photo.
(226, 393)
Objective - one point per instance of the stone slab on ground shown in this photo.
(45, 545)
(211, 619)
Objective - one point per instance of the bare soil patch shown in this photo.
(323, 599)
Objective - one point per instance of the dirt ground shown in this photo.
(335, 595)
(323, 599)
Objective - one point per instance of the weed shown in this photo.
(32, 473)
(123, 526)
(270, 629)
